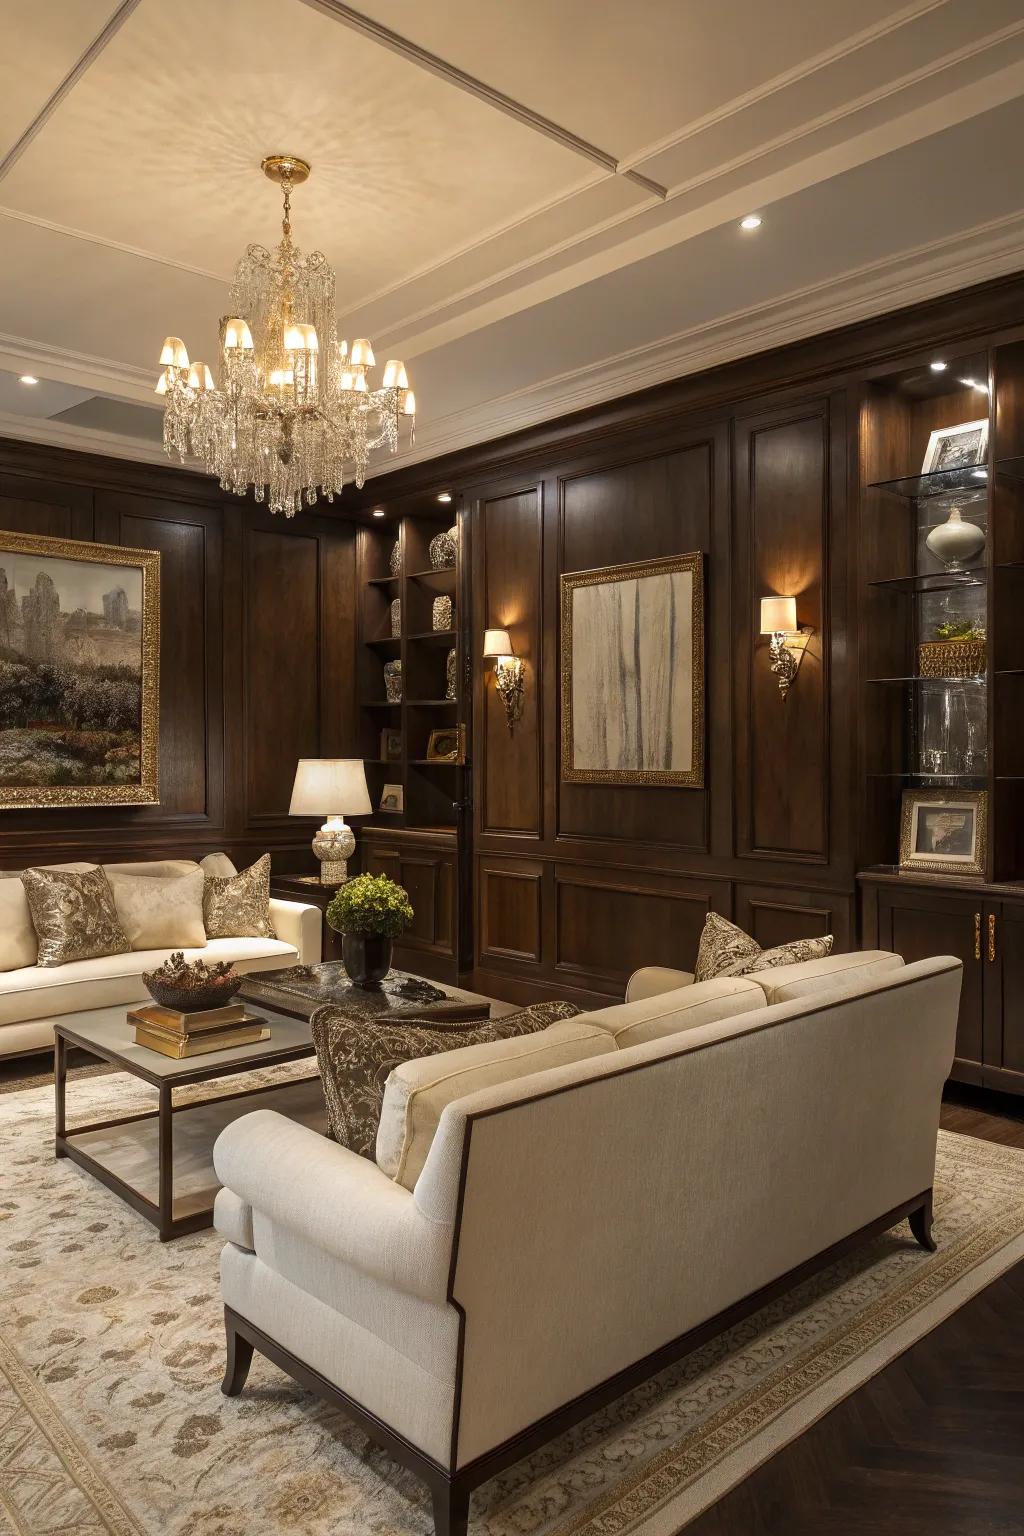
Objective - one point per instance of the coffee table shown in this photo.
(160, 1162)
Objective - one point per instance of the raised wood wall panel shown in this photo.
(281, 667)
(509, 911)
(643, 510)
(505, 596)
(605, 929)
(782, 511)
(773, 916)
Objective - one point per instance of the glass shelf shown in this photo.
(972, 480)
(953, 780)
(934, 581)
(949, 682)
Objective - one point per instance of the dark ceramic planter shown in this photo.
(367, 958)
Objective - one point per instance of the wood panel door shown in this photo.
(1003, 947)
(917, 924)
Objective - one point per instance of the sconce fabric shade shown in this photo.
(325, 786)
(497, 642)
(778, 616)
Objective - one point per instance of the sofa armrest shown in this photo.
(652, 980)
(332, 1198)
(298, 925)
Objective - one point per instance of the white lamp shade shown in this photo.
(778, 615)
(330, 786)
(497, 642)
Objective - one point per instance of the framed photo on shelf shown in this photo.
(944, 833)
(392, 798)
(960, 447)
(447, 745)
(390, 745)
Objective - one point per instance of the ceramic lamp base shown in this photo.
(333, 845)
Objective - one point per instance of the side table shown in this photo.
(308, 888)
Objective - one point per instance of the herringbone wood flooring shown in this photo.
(932, 1446)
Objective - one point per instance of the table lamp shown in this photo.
(330, 786)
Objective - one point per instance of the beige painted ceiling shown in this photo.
(534, 201)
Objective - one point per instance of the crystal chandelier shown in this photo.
(293, 407)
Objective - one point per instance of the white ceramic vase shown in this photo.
(954, 542)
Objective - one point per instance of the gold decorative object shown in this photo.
(619, 625)
(451, 672)
(395, 558)
(441, 613)
(396, 618)
(393, 682)
(447, 744)
(788, 639)
(44, 619)
(444, 549)
(952, 658)
(293, 407)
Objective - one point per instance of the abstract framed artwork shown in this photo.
(79, 673)
(632, 660)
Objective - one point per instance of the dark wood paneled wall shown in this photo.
(257, 655)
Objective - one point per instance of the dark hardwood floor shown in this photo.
(931, 1446)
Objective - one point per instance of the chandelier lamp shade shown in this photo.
(293, 409)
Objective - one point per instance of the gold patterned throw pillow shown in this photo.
(73, 914)
(238, 906)
(725, 950)
(357, 1052)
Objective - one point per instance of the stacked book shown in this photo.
(195, 1034)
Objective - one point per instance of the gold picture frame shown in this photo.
(51, 613)
(944, 833)
(632, 667)
(447, 744)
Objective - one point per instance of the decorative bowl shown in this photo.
(170, 994)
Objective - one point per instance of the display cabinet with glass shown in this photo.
(941, 566)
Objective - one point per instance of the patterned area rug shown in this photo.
(112, 1422)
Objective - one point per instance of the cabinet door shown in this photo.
(1004, 997)
(917, 924)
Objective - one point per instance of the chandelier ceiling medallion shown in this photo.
(293, 408)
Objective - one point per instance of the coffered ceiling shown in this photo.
(535, 204)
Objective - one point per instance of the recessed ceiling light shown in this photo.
(752, 221)
(378, 511)
(445, 496)
(938, 367)
(28, 378)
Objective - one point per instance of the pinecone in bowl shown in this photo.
(192, 987)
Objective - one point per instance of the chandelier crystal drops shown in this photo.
(293, 408)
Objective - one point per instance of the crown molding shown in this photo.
(63, 434)
(925, 272)
(101, 374)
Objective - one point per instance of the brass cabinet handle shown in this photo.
(991, 936)
(977, 935)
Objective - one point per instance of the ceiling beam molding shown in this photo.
(71, 79)
(346, 16)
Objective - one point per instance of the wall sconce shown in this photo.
(788, 638)
(508, 672)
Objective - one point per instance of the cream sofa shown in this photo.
(545, 1241)
(33, 996)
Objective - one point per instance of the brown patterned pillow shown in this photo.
(726, 950)
(357, 1053)
(238, 906)
(73, 914)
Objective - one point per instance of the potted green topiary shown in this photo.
(369, 912)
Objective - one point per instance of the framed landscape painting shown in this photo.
(79, 673)
(632, 658)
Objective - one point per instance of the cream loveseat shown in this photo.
(32, 996)
(547, 1241)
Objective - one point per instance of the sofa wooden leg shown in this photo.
(921, 1224)
(240, 1353)
(451, 1510)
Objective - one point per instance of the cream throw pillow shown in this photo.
(238, 906)
(217, 864)
(725, 950)
(160, 913)
(18, 946)
(417, 1092)
(74, 915)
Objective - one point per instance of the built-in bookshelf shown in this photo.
(395, 736)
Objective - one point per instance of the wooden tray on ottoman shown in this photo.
(300, 990)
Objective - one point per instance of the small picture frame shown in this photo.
(961, 447)
(392, 799)
(943, 833)
(390, 745)
(447, 745)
